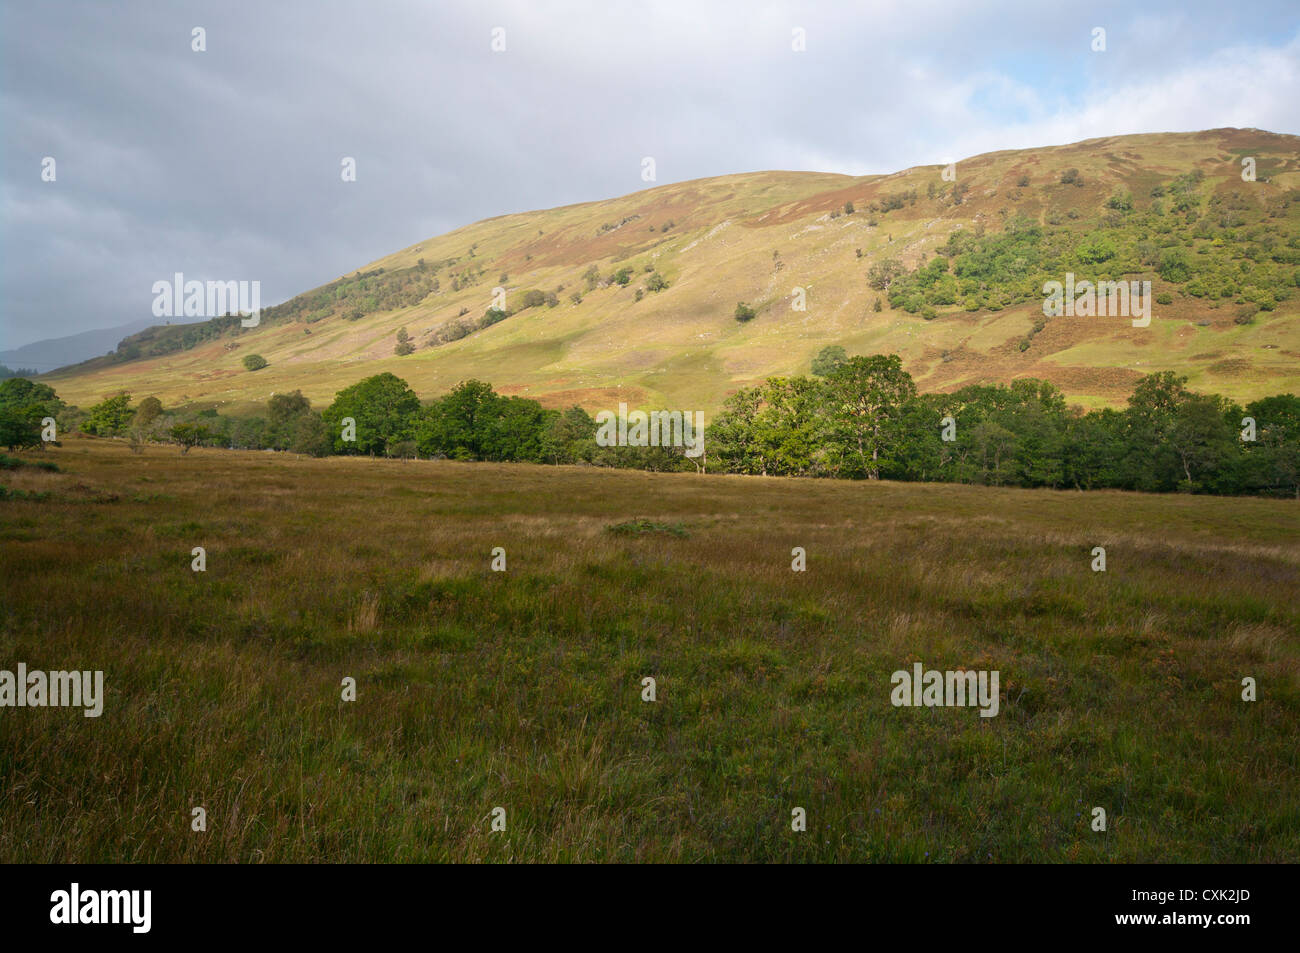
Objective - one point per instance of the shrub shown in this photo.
(744, 312)
(645, 527)
(189, 435)
(111, 417)
(1174, 266)
(149, 410)
(254, 362)
(828, 359)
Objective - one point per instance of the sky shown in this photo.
(225, 163)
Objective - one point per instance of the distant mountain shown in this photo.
(635, 298)
(52, 353)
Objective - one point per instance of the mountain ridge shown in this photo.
(753, 237)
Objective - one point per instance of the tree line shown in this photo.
(862, 417)
(856, 417)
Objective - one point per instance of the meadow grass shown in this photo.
(522, 689)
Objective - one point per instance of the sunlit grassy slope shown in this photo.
(523, 689)
(754, 238)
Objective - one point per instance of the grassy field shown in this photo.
(522, 689)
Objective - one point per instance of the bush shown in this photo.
(254, 362)
(744, 312)
(656, 282)
(189, 435)
(645, 527)
(150, 409)
(109, 418)
(1174, 266)
(828, 359)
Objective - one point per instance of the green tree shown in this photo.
(866, 396)
(884, 273)
(827, 359)
(110, 417)
(456, 424)
(254, 362)
(570, 437)
(1202, 440)
(282, 414)
(734, 433)
(23, 405)
(1273, 460)
(1149, 462)
(187, 435)
(150, 409)
(1174, 266)
(310, 435)
(384, 408)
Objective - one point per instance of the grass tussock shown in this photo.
(645, 527)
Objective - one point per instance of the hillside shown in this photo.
(1223, 256)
